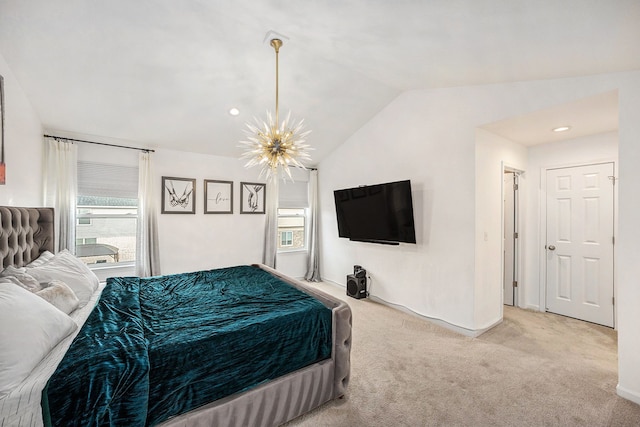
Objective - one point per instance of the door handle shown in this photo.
(551, 248)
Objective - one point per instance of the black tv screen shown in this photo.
(381, 213)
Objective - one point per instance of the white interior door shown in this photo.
(509, 238)
(579, 245)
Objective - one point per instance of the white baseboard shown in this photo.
(625, 393)
(333, 282)
(443, 323)
(533, 307)
(473, 333)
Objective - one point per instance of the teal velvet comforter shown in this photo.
(157, 347)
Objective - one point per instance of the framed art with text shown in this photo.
(178, 195)
(218, 197)
(252, 197)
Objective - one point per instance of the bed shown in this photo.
(259, 395)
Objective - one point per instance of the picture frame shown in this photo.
(218, 197)
(252, 197)
(178, 195)
(3, 167)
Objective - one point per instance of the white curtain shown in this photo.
(61, 188)
(147, 252)
(271, 224)
(313, 262)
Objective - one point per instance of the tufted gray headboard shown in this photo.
(24, 234)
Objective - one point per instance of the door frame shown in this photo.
(542, 252)
(520, 227)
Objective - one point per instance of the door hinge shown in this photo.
(613, 300)
(515, 235)
(613, 240)
(515, 283)
(515, 187)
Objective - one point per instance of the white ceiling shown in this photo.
(587, 116)
(164, 73)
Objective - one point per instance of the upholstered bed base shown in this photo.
(285, 398)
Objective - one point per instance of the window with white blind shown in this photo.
(107, 214)
(293, 203)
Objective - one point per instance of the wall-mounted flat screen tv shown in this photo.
(381, 213)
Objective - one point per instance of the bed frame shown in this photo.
(27, 232)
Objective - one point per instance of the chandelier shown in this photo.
(274, 145)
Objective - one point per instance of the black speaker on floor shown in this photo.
(357, 286)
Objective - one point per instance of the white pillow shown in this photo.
(60, 295)
(68, 269)
(29, 328)
(44, 257)
(22, 278)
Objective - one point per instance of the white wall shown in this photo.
(109, 155)
(584, 150)
(293, 263)
(196, 242)
(628, 247)
(416, 137)
(429, 137)
(22, 146)
(493, 153)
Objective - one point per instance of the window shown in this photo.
(82, 220)
(292, 215)
(291, 228)
(111, 236)
(86, 241)
(107, 214)
(286, 238)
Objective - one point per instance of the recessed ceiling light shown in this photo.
(234, 111)
(561, 129)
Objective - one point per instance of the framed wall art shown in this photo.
(178, 195)
(252, 197)
(3, 170)
(218, 197)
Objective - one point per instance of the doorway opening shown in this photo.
(510, 235)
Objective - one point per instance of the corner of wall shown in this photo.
(628, 394)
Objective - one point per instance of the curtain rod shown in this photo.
(146, 150)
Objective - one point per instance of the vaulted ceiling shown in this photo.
(165, 73)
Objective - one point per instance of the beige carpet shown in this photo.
(534, 369)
